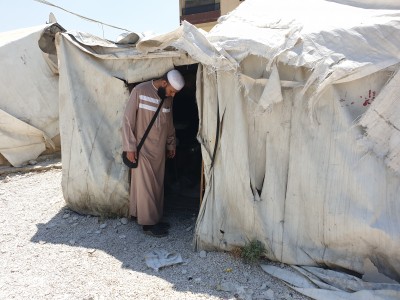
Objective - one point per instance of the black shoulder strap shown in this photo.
(149, 127)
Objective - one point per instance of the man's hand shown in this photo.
(131, 156)
(171, 153)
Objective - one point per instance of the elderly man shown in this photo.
(147, 180)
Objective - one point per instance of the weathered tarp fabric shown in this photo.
(92, 103)
(324, 284)
(294, 167)
(28, 97)
(292, 96)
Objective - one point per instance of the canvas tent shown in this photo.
(316, 135)
(296, 121)
(28, 96)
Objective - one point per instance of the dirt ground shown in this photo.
(50, 252)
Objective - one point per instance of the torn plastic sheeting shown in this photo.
(323, 284)
(191, 40)
(20, 141)
(382, 125)
(160, 258)
(47, 37)
(27, 81)
(266, 92)
(260, 37)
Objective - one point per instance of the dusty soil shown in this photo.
(50, 252)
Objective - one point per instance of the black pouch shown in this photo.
(128, 163)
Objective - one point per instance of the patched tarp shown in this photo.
(28, 96)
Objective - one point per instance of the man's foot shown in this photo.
(164, 225)
(155, 230)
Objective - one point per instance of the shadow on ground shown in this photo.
(128, 244)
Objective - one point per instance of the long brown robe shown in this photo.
(147, 180)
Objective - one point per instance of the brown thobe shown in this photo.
(146, 198)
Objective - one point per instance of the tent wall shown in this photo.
(307, 190)
(313, 185)
(92, 103)
(29, 97)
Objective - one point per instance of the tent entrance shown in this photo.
(183, 173)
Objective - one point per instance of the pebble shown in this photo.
(122, 236)
(32, 162)
(226, 287)
(203, 254)
(72, 242)
(228, 270)
(104, 225)
(184, 272)
(269, 295)
(124, 221)
(66, 216)
(97, 231)
(263, 286)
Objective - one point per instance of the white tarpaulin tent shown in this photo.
(28, 96)
(297, 169)
(299, 162)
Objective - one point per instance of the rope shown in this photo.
(80, 16)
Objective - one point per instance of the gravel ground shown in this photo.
(50, 252)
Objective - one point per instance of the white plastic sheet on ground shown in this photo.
(28, 97)
(323, 284)
(160, 258)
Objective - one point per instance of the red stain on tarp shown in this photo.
(370, 98)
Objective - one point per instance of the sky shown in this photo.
(145, 16)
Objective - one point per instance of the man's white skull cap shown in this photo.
(176, 80)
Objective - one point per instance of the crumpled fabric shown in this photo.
(324, 284)
(159, 258)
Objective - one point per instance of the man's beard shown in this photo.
(161, 92)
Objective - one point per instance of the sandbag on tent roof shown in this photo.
(292, 170)
(29, 95)
(287, 166)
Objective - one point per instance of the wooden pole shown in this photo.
(202, 182)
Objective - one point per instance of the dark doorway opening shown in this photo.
(183, 173)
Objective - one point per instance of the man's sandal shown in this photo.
(164, 225)
(155, 230)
